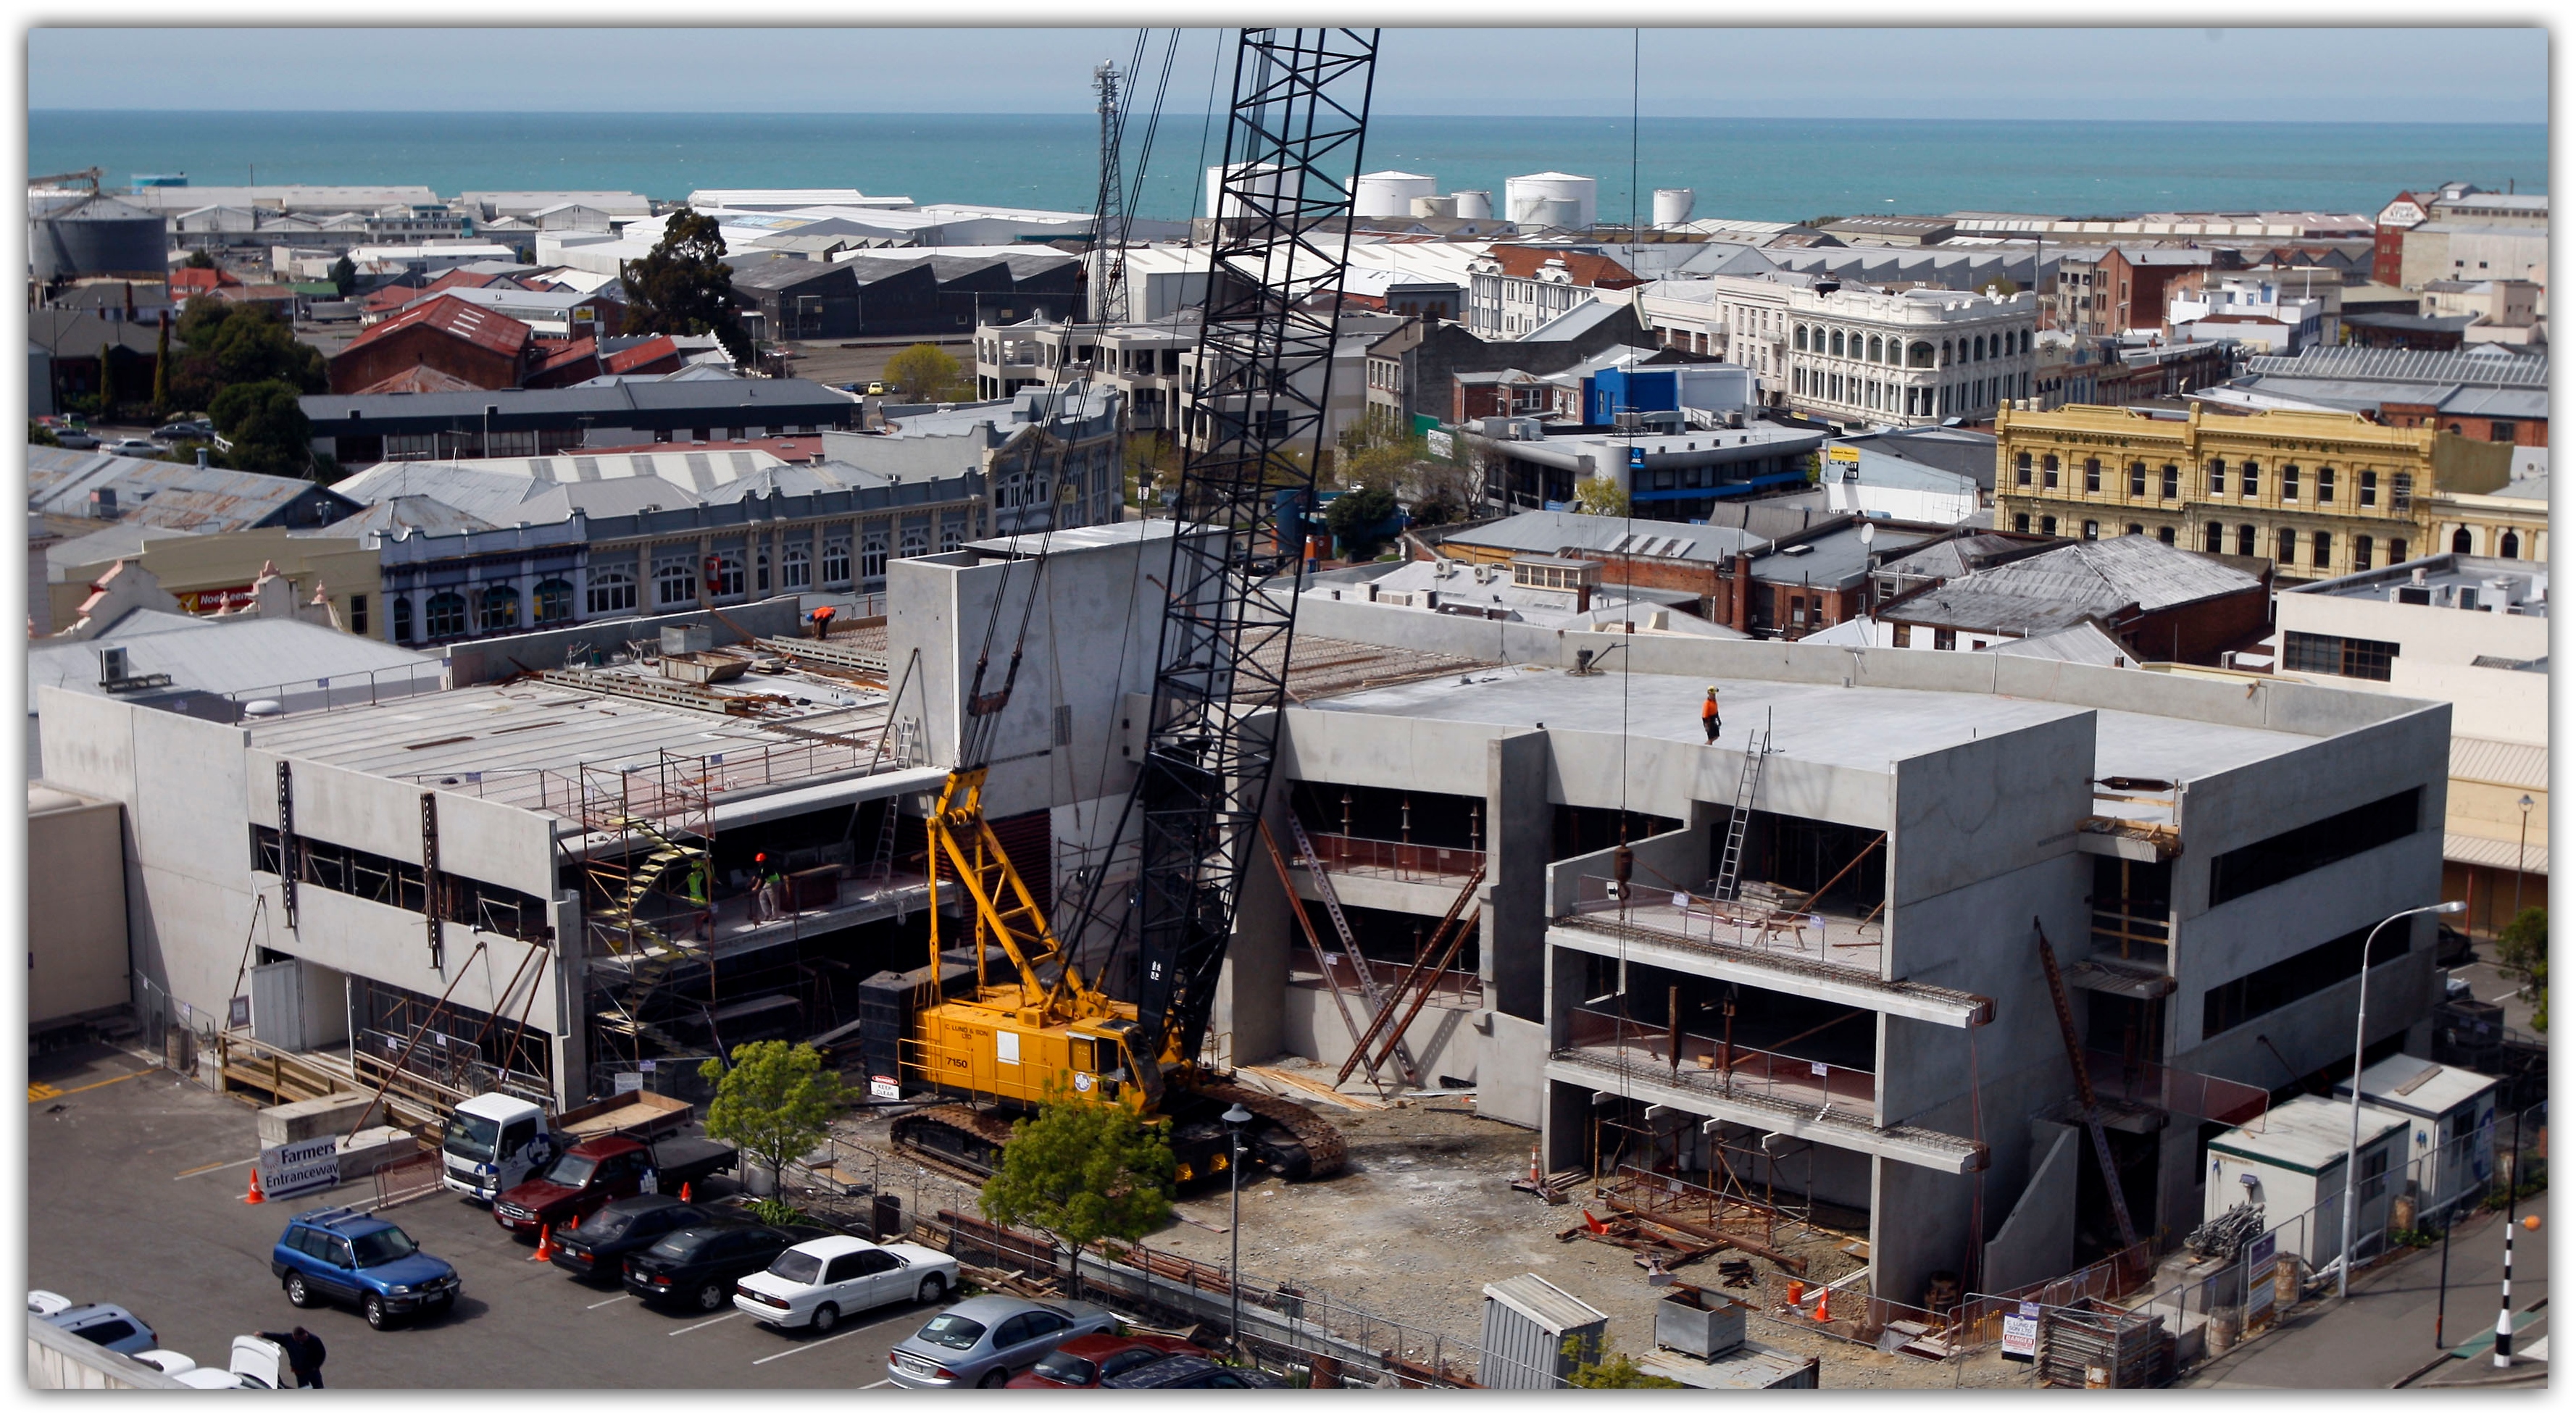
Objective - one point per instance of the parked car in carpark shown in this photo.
(107, 1325)
(342, 1254)
(598, 1250)
(1094, 1358)
(196, 428)
(257, 1363)
(2451, 948)
(45, 1303)
(815, 1284)
(989, 1339)
(169, 1360)
(698, 1266)
(134, 448)
(877, 388)
(75, 438)
(604, 1169)
(2454, 988)
(1189, 1370)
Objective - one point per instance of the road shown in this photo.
(134, 1197)
(2384, 1331)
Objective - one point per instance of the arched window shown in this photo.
(2245, 540)
(2463, 543)
(1801, 340)
(552, 600)
(2510, 545)
(444, 617)
(1980, 349)
(2289, 482)
(872, 555)
(2369, 491)
(760, 570)
(2325, 486)
(2021, 469)
(2287, 551)
(2092, 531)
(2048, 470)
(2396, 550)
(1874, 350)
(2048, 526)
(725, 576)
(2213, 538)
(2322, 545)
(2217, 478)
(675, 582)
(2092, 474)
(499, 609)
(796, 568)
(402, 619)
(1946, 359)
(2136, 530)
(2249, 478)
(2025, 341)
(2361, 553)
(1838, 341)
(612, 588)
(2165, 534)
(2021, 521)
(915, 543)
(1918, 355)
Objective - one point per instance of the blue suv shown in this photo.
(341, 1254)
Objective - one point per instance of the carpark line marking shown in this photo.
(693, 1328)
(620, 1299)
(799, 1348)
(218, 1166)
(881, 1382)
(50, 1091)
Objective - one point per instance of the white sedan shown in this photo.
(815, 1284)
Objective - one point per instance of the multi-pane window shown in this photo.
(2323, 545)
(796, 568)
(2217, 477)
(2245, 540)
(836, 562)
(2396, 550)
(2249, 479)
(2092, 474)
(2325, 486)
(402, 618)
(726, 576)
(2213, 538)
(914, 543)
(499, 609)
(2289, 482)
(445, 616)
(2170, 486)
(2092, 531)
(2021, 469)
(2288, 551)
(675, 582)
(2048, 470)
(552, 600)
(2369, 488)
(872, 556)
(2361, 549)
(612, 589)
(2351, 658)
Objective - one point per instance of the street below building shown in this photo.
(2384, 1332)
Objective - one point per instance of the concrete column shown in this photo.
(570, 972)
(1518, 832)
(1918, 1223)
(1252, 990)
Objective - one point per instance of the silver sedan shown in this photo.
(985, 1340)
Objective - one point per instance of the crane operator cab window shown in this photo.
(1098, 1064)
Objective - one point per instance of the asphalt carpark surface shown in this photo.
(135, 1184)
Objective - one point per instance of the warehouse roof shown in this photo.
(2058, 588)
(1555, 533)
(170, 494)
(451, 316)
(226, 655)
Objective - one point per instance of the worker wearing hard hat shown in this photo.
(1708, 714)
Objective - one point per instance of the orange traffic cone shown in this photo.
(574, 1223)
(684, 1192)
(545, 1243)
(256, 1197)
(1822, 1314)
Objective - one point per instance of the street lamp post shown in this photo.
(2521, 853)
(2360, 1016)
(1235, 1117)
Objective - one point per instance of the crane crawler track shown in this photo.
(1318, 1151)
(956, 1140)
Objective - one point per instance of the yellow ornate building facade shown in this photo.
(2318, 494)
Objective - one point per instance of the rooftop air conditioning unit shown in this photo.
(111, 664)
(1627, 422)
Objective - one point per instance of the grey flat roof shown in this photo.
(2419, 366)
(762, 401)
(231, 655)
(1550, 533)
(1863, 727)
(1835, 557)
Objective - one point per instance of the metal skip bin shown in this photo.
(1527, 1321)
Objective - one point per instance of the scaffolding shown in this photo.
(658, 825)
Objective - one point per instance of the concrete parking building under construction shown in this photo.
(1810, 962)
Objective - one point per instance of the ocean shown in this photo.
(1750, 168)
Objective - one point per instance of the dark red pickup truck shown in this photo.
(602, 1170)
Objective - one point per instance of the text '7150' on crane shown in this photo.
(1048, 1030)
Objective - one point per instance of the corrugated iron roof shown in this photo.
(230, 655)
(1543, 1303)
(451, 316)
(2410, 366)
(161, 494)
(2056, 589)
(2507, 764)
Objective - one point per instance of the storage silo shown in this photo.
(1474, 204)
(1673, 205)
(1390, 193)
(1435, 206)
(1522, 196)
(1265, 179)
(98, 237)
(1550, 213)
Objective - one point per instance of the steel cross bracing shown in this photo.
(2084, 1087)
(1291, 160)
(1374, 996)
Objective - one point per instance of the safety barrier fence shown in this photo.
(1646, 1051)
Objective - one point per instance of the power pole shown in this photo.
(1109, 209)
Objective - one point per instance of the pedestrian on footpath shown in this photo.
(304, 1354)
(1708, 721)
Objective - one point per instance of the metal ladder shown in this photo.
(1359, 965)
(1747, 782)
(881, 867)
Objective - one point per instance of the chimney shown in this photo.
(1741, 618)
(1582, 599)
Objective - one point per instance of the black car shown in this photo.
(696, 1266)
(621, 1228)
(2451, 949)
(1189, 1370)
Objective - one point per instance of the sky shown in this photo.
(2491, 75)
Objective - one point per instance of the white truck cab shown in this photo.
(492, 1143)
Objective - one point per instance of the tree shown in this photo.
(200, 261)
(109, 395)
(344, 274)
(774, 1102)
(683, 287)
(2522, 952)
(1083, 1172)
(161, 370)
(266, 426)
(1619, 1370)
(41, 436)
(1355, 516)
(923, 373)
(1600, 497)
(240, 344)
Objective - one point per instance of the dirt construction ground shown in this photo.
(1423, 1216)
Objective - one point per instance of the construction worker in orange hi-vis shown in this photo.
(1708, 714)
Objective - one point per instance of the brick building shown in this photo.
(445, 334)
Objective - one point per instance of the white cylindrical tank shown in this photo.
(1474, 204)
(1550, 213)
(1265, 179)
(1390, 193)
(1672, 205)
(1435, 206)
(1521, 194)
